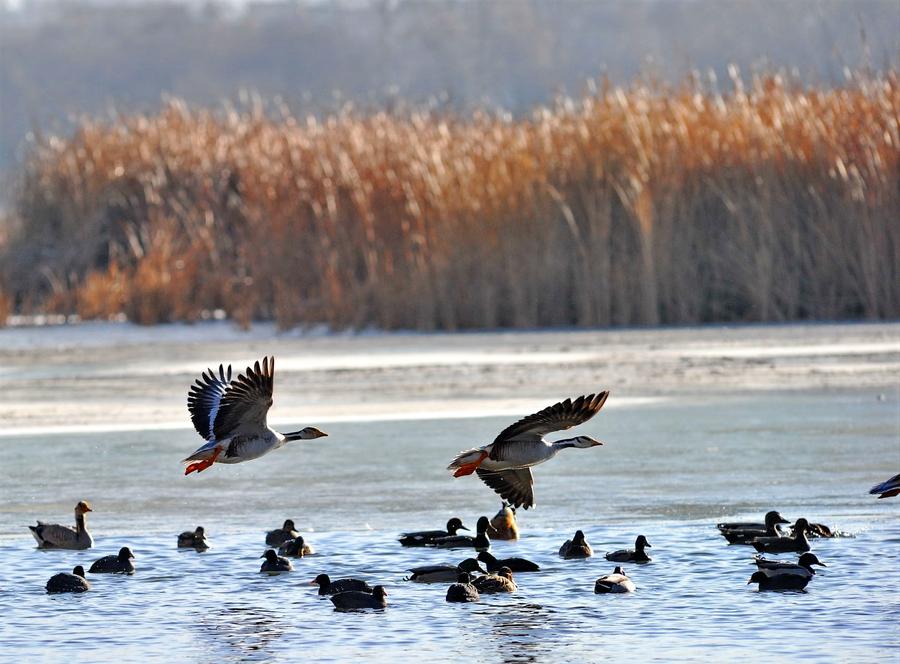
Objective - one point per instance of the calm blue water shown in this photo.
(669, 470)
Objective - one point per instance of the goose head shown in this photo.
(583, 442)
(310, 433)
(82, 507)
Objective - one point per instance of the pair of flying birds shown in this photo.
(230, 414)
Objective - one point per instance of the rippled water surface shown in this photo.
(669, 470)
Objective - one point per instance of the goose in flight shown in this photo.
(505, 464)
(231, 416)
(887, 488)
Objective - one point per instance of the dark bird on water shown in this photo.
(515, 564)
(69, 583)
(118, 564)
(426, 537)
(329, 587)
(577, 547)
(635, 555)
(356, 599)
(462, 590)
(274, 563)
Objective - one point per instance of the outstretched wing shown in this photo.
(245, 402)
(558, 417)
(887, 488)
(204, 398)
(515, 486)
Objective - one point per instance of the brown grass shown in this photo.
(632, 206)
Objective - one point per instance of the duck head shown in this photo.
(378, 592)
(619, 570)
(78, 571)
(578, 538)
(774, 517)
(641, 542)
(288, 525)
(454, 525)
(471, 565)
(483, 525)
(801, 526)
(486, 557)
(808, 559)
(125, 554)
(322, 580)
(199, 532)
(758, 577)
(464, 577)
(270, 556)
(505, 571)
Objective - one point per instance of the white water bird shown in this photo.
(231, 416)
(505, 464)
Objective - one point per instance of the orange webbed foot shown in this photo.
(469, 468)
(200, 466)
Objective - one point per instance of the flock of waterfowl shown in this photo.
(230, 414)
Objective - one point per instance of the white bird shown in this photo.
(231, 416)
(505, 464)
(56, 536)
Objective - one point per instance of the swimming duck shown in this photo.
(356, 599)
(769, 581)
(887, 488)
(230, 415)
(818, 531)
(481, 541)
(69, 583)
(296, 548)
(329, 587)
(501, 582)
(444, 573)
(425, 537)
(55, 536)
(515, 564)
(771, 517)
(274, 563)
(118, 564)
(803, 566)
(281, 535)
(746, 534)
(577, 547)
(193, 539)
(636, 555)
(504, 524)
(462, 590)
(797, 542)
(617, 582)
(505, 464)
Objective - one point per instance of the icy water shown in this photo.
(669, 470)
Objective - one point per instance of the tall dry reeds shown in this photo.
(642, 205)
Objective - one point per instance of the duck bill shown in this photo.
(463, 528)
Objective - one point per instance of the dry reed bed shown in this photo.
(642, 205)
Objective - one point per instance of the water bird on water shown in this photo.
(231, 416)
(803, 566)
(481, 541)
(356, 599)
(56, 536)
(275, 563)
(193, 539)
(504, 524)
(505, 464)
(462, 590)
(69, 583)
(296, 548)
(745, 533)
(426, 537)
(515, 564)
(887, 488)
(796, 542)
(443, 573)
(635, 555)
(617, 582)
(501, 582)
(329, 587)
(281, 535)
(577, 547)
(768, 581)
(117, 564)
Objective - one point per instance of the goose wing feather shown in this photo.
(558, 417)
(246, 401)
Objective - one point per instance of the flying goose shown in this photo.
(55, 536)
(617, 582)
(887, 488)
(118, 564)
(279, 536)
(329, 587)
(425, 537)
(69, 583)
(797, 542)
(505, 464)
(504, 524)
(746, 533)
(193, 539)
(769, 581)
(462, 590)
(577, 547)
(357, 599)
(803, 566)
(635, 555)
(231, 416)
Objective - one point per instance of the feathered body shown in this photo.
(56, 536)
(887, 488)
(505, 465)
(231, 416)
(617, 582)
